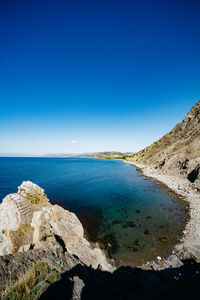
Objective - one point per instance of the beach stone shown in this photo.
(173, 261)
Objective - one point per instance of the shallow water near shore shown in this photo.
(135, 218)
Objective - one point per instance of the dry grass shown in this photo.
(31, 286)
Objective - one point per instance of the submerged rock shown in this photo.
(128, 224)
(115, 222)
(29, 221)
(163, 239)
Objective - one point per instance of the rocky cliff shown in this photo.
(29, 221)
(178, 152)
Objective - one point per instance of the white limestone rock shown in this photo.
(27, 219)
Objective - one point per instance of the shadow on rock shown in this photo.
(127, 283)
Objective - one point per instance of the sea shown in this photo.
(135, 219)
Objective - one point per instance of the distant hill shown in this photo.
(103, 155)
(108, 155)
(177, 152)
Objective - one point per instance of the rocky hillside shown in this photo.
(178, 152)
(29, 221)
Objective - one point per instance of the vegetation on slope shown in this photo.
(179, 150)
(108, 155)
(33, 284)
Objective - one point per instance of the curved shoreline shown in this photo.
(189, 246)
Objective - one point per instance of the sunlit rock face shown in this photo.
(28, 220)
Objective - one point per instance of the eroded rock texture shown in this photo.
(29, 221)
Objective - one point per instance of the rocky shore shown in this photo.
(189, 246)
(44, 255)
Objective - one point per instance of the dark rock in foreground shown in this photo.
(78, 281)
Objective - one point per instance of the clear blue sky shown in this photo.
(81, 76)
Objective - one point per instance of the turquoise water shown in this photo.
(136, 218)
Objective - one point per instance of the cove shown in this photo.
(135, 218)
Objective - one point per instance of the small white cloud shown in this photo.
(74, 142)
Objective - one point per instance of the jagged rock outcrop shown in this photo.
(178, 152)
(29, 221)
